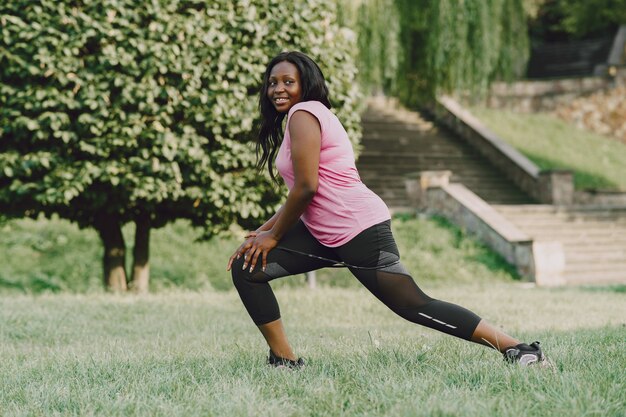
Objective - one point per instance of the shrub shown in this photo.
(117, 111)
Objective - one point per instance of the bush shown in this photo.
(151, 103)
(111, 110)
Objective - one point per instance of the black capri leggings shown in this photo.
(386, 278)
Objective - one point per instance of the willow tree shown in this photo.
(118, 111)
(567, 19)
(416, 49)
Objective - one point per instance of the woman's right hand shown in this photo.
(243, 248)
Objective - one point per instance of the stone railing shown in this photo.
(617, 55)
(530, 96)
(548, 186)
(545, 95)
(430, 192)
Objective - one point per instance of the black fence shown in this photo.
(577, 58)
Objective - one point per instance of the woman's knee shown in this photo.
(238, 274)
(241, 276)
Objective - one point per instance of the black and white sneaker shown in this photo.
(525, 355)
(278, 362)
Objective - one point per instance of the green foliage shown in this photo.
(452, 46)
(379, 50)
(39, 256)
(48, 256)
(597, 162)
(123, 107)
(564, 19)
(416, 49)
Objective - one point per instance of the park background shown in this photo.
(127, 173)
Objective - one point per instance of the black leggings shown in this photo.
(388, 280)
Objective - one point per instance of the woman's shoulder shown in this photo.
(313, 106)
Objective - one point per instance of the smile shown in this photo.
(281, 100)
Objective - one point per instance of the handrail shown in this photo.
(618, 49)
(504, 148)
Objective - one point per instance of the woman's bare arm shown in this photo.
(306, 142)
(270, 223)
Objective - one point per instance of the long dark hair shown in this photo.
(313, 87)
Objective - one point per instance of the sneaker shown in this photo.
(524, 354)
(278, 362)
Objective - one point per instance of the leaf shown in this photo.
(152, 107)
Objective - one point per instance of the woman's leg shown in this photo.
(391, 283)
(256, 293)
(276, 338)
(488, 335)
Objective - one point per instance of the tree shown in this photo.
(561, 20)
(117, 111)
(417, 49)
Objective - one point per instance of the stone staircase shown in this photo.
(397, 142)
(593, 239)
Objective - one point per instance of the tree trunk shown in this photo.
(114, 258)
(141, 255)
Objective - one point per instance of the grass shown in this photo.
(598, 162)
(55, 256)
(189, 348)
(198, 354)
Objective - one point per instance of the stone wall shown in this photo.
(431, 193)
(603, 112)
(549, 186)
(547, 95)
(600, 198)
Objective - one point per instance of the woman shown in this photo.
(331, 217)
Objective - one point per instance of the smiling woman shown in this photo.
(330, 217)
(284, 86)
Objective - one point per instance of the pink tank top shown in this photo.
(343, 206)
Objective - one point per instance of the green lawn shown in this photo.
(189, 348)
(55, 256)
(597, 161)
(198, 354)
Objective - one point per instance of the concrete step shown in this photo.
(533, 218)
(394, 144)
(569, 228)
(371, 121)
(580, 277)
(557, 225)
(546, 208)
(485, 183)
(385, 155)
(398, 143)
(424, 153)
(604, 260)
(607, 255)
(574, 234)
(560, 221)
(594, 239)
(470, 181)
(490, 190)
(610, 264)
(590, 231)
(564, 214)
(541, 219)
(583, 248)
(494, 185)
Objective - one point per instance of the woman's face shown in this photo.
(283, 88)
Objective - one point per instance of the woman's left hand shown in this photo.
(261, 245)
